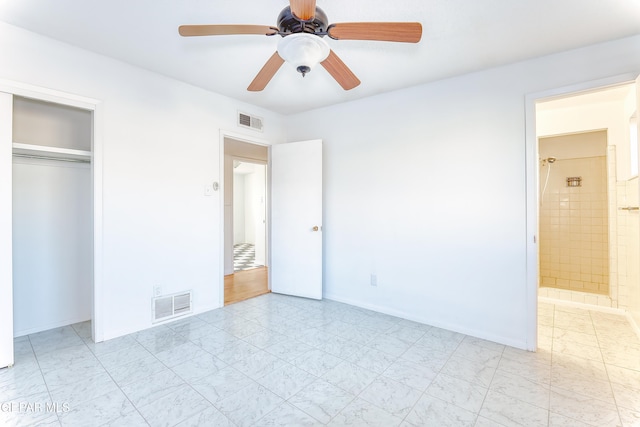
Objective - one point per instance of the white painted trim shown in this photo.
(94, 105)
(430, 322)
(251, 140)
(6, 231)
(531, 167)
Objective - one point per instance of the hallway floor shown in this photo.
(277, 360)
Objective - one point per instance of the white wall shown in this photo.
(53, 244)
(160, 147)
(426, 188)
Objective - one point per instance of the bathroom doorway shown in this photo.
(587, 198)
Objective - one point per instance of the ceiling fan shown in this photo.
(302, 26)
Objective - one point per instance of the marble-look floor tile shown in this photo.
(321, 400)
(71, 374)
(21, 385)
(209, 417)
(112, 345)
(626, 397)
(174, 407)
(152, 388)
(350, 377)
(68, 356)
(222, 384)
(567, 335)
(317, 362)
(389, 344)
(582, 384)
(458, 392)
(165, 341)
(135, 371)
(105, 409)
(427, 356)
(630, 417)
(557, 420)
(509, 411)
(198, 367)
(623, 376)
(405, 333)
(129, 419)
(180, 354)
(522, 389)
(577, 350)
(477, 353)
(264, 338)
(249, 404)
(392, 396)
(123, 357)
(430, 411)
(289, 349)
(237, 351)
(582, 408)
(475, 372)
(286, 380)
(27, 412)
(259, 364)
(362, 413)
(415, 375)
(287, 415)
(87, 389)
(54, 339)
(371, 359)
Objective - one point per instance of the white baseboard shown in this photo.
(431, 322)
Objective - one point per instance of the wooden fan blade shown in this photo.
(224, 30)
(303, 9)
(343, 75)
(266, 73)
(406, 32)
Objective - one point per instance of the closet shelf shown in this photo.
(50, 152)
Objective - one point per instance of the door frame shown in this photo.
(249, 139)
(95, 106)
(532, 186)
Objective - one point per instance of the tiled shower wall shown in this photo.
(574, 228)
(628, 248)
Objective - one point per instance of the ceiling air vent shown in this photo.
(170, 306)
(251, 122)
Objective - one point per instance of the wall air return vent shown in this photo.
(170, 306)
(250, 122)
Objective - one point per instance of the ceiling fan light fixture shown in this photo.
(303, 51)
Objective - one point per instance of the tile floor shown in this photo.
(276, 360)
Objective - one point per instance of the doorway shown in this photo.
(86, 160)
(245, 220)
(584, 189)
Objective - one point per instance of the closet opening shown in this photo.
(52, 217)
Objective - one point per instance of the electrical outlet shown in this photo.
(374, 280)
(157, 291)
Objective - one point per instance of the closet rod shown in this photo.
(61, 159)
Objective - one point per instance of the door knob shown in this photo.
(315, 228)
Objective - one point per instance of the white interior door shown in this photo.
(296, 219)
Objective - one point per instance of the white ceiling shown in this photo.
(459, 36)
